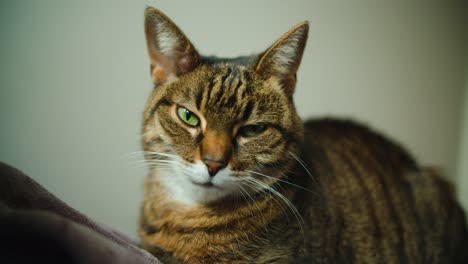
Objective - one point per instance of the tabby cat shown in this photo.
(236, 176)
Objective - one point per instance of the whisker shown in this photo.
(281, 180)
(159, 159)
(264, 192)
(136, 166)
(159, 154)
(255, 204)
(153, 162)
(293, 208)
(163, 161)
(151, 166)
(303, 164)
(143, 152)
(261, 191)
(241, 190)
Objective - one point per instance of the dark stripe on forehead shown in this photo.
(247, 77)
(198, 98)
(247, 110)
(233, 96)
(210, 86)
(248, 83)
(228, 72)
(222, 87)
(231, 101)
(239, 83)
(219, 95)
(234, 76)
(231, 82)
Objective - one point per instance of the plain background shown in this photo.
(74, 79)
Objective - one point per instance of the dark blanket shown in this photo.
(37, 227)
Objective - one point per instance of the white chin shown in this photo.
(195, 187)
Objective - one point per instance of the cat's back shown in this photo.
(374, 202)
(354, 138)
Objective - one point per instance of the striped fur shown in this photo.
(324, 191)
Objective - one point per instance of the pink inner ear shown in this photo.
(161, 68)
(158, 74)
(185, 64)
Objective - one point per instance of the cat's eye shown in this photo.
(187, 117)
(252, 130)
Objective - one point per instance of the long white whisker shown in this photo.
(139, 164)
(255, 204)
(154, 162)
(261, 190)
(303, 164)
(264, 192)
(161, 154)
(281, 180)
(163, 161)
(293, 208)
(241, 190)
(143, 152)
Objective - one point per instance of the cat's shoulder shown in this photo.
(338, 128)
(348, 135)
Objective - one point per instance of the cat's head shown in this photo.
(214, 127)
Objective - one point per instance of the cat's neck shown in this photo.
(206, 232)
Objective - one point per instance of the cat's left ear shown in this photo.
(283, 58)
(170, 51)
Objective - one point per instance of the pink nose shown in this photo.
(215, 150)
(214, 165)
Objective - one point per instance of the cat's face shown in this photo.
(214, 129)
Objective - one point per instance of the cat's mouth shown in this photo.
(204, 184)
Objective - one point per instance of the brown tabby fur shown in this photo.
(360, 198)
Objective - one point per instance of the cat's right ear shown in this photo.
(281, 61)
(171, 53)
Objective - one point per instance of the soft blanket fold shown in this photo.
(37, 227)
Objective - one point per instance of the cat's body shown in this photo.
(235, 176)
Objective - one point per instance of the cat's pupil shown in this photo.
(188, 115)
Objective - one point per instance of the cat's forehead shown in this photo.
(231, 79)
(234, 93)
(231, 72)
(227, 94)
(221, 93)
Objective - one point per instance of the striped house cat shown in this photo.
(236, 176)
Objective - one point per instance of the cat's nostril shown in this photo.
(214, 166)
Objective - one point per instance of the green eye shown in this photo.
(252, 130)
(188, 117)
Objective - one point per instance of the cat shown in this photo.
(235, 176)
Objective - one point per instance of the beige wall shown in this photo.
(74, 79)
(463, 153)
